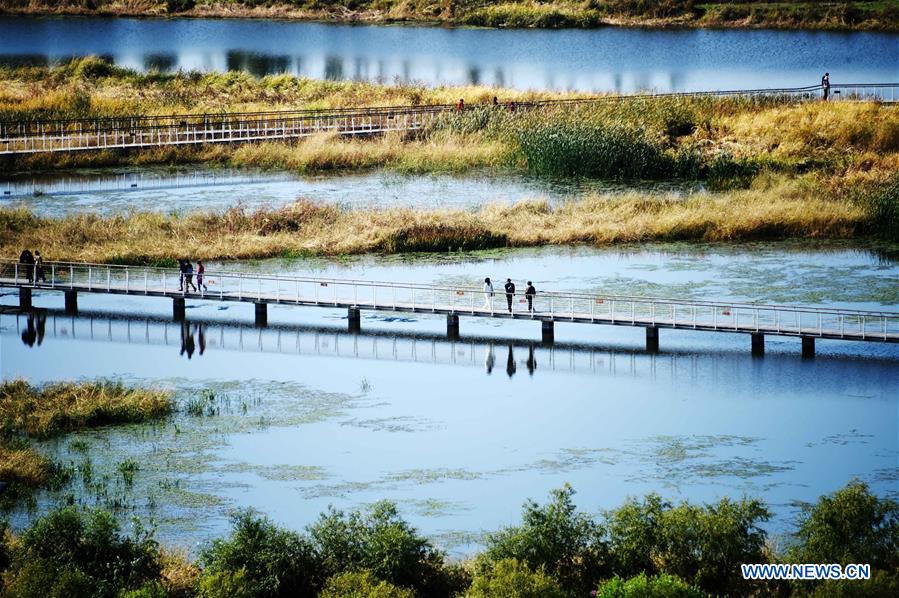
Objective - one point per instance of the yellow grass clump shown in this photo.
(53, 409)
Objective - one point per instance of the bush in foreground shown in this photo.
(640, 586)
(511, 578)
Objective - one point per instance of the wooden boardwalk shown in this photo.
(548, 308)
(134, 132)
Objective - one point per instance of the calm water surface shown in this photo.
(460, 433)
(109, 191)
(609, 59)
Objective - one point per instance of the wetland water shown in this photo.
(109, 191)
(460, 433)
(606, 59)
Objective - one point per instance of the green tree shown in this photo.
(510, 578)
(362, 584)
(554, 537)
(275, 562)
(641, 586)
(851, 525)
(74, 552)
(381, 542)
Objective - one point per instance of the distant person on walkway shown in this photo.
(182, 268)
(189, 276)
(201, 270)
(39, 267)
(26, 265)
(511, 106)
(510, 292)
(495, 101)
(488, 294)
(825, 85)
(461, 105)
(530, 293)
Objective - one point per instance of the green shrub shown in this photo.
(702, 545)
(276, 562)
(226, 584)
(73, 552)
(640, 586)
(852, 525)
(362, 584)
(510, 578)
(556, 538)
(154, 589)
(883, 209)
(381, 542)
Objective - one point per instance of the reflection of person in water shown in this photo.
(201, 338)
(187, 340)
(532, 362)
(29, 335)
(489, 358)
(510, 363)
(34, 329)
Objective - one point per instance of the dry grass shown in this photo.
(24, 466)
(54, 409)
(179, 575)
(775, 207)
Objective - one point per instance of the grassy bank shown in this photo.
(646, 547)
(786, 14)
(776, 209)
(725, 141)
(32, 412)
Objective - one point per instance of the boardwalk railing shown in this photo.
(25, 137)
(654, 313)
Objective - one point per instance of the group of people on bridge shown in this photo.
(32, 265)
(186, 277)
(530, 293)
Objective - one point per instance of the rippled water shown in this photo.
(459, 433)
(606, 59)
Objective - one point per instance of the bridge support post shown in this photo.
(452, 326)
(261, 315)
(548, 332)
(71, 300)
(178, 309)
(652, 339)
(24, 298)
(808, 346)
(354, 319)
(758, 344)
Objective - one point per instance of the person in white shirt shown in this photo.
(488, 294)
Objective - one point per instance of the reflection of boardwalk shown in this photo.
(651, 314)
(196, 339)
(194, 129)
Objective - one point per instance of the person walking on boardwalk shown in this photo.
(201, 271)
(189, 276)
(181, 270)
(488, 294)
(510, 292)
(461, 105)
(530, 293)
(825, 85)
(26, 261)
(39, 268)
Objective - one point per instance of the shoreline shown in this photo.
(381, 18)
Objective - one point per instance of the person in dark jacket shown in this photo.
(530, 293)
(26, 261)
(39, 275)
(825, 85)
(510, 292)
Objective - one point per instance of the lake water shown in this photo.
(460, 433)
(110, 191)
(607, 59)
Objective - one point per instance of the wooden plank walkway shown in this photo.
(548, 307)
(130, 132)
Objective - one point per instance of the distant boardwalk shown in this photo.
(756, 320)
(39, 136)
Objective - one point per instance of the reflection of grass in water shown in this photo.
(428, 476)
(455, 539)
(392, 424)
(853, 436)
